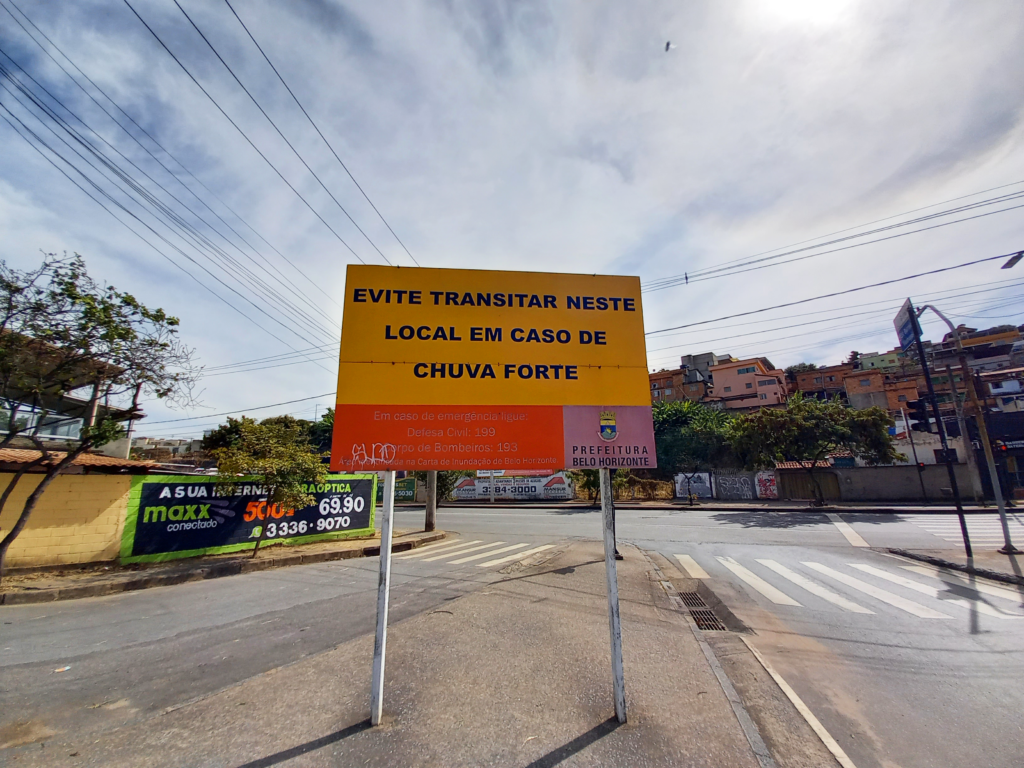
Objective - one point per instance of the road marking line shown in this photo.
(463, 551)
(963, 581)
(487, 554)
(432, 550)
(844, 528)
(515, 556)
(924, 589)
(814, 587)
(826, 738)
(690, 567)
(896, 601)
(777, 596)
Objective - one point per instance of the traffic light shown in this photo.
(917, 412)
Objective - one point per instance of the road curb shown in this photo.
(204, 572)
(1006, 578)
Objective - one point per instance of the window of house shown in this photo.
(728, 389)
(902, 398)
(831, 378)
(654, 385)
(657, 394)
(693, 387)
(668, 392)
(750, 385)
(749, 369)
(763, 396)
(865, 382)
(817, 379)
(766, 382)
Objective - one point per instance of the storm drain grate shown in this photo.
(706, 620)
(692, 600)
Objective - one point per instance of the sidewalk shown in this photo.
(988, 564)
(850, 507)
(43, 586)
(515, 674)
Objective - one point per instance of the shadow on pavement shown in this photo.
(555, 756)
(309, 746)
(769, 519)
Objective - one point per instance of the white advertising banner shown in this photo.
(556, 487)
(699, 484)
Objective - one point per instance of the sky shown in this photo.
(526, 136)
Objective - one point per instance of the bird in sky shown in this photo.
(668, 46)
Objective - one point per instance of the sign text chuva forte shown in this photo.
(465, 369)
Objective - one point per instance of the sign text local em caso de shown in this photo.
(465, 369)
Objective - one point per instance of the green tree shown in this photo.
(793, 370)
(62, 334)
(808, 430)
(226, 434)
(321, 432)
(691, 438)
(277, 454)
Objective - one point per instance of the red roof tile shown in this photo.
(23, 456)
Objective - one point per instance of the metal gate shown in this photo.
(797, 484)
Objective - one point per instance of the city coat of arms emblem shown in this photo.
(608, 430)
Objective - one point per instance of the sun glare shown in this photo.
(817, 12)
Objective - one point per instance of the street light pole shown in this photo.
(986, 444)
(942, 435)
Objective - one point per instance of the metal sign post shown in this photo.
(915, 330)
(383, 593)
(614, 625)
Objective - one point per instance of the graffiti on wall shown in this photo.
(766, 485)
(700, 485)
(733, 487)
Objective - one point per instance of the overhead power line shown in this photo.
(162, 213)
(834, 293)
(279, 131)
(747, 259)
(101, 192)
(320, 133)
(714, 274)
(241, 132)
(242, 410)
(167, 152)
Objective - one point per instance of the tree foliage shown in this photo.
(278, 454)
(793, 370)
(64, 336)
(809, 430)
(691, 437)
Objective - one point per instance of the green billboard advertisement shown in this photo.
(174, 516)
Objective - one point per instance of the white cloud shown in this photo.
(550, 137)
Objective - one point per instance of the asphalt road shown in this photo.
(899, 675)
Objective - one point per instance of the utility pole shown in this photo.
(913, 449)
(942, 431)
(986, 443)
(972, 460)
(430, 521)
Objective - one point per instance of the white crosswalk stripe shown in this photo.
(953, 588)
(516, 556)
(491, 553)
(983, 529)
(461, 552)
(814, 587)
(925, 589)
(777, 596)
(895, 601)
(691, 568)
(965, 582)
(434, 549)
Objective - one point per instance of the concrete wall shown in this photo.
(899, 483)
(79, 519)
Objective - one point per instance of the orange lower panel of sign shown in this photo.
(411, 437)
